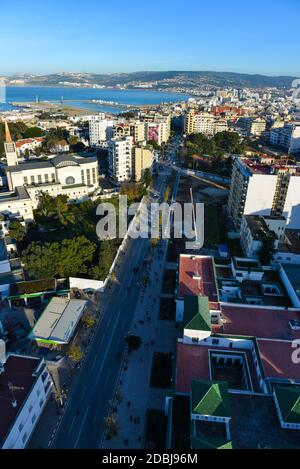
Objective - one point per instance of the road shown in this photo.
(81, 425)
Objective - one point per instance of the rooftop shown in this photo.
(259, 321)
(288, 398)
(196, 314)
(276, 357)
(257, 226)
(19, 371)
(197, 277)
(210, 398)
(293, 273)
(58, 321)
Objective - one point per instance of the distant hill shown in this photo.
(168, 79)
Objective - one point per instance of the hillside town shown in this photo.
(149, 342)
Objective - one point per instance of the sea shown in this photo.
(74, 96)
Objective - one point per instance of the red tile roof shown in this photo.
(276, 357)
(197, 277)
(260, 322)
(17, 371)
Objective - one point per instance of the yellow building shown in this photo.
(142, 160)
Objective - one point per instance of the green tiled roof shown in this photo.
(201, 442)
(210, 398)
(288, 398)
(196, 314)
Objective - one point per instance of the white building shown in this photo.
(100, 129)
(120, 159)
(25, 387)
(264, 190)
(287, 137)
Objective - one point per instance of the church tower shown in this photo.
(10, 148)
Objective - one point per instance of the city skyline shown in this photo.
(198, 37)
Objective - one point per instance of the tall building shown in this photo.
(287, 137)
(142, 160)
(10, 148)
(136, 130)
(264, 190)
(204, 123)
(120, 158)
(252, 126)
(100, 129)
(189, 122)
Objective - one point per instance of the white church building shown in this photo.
(72, 175)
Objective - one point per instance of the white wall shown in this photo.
(29, 415)
(83, 283)
(292, 203)
(260, 194)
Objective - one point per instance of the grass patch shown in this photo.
(167, 309)
(161, 370)
(214, 232)
(169, 281)
(156, 429)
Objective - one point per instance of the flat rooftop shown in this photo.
(258, 321)
(18, 370)
(276, 357)
(197, 277)
(255, 424)
(59, 320)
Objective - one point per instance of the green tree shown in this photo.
(134, 342)
(89, 320)
(33, 132)
(267, 249)
(147, 177)
(75, 353)
(41, 259)
(16, 230)
(76, 255)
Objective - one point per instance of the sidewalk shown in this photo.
(63, 376)
(134, 383)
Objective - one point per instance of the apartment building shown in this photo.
(136, 130)
(204, 123)
(252, 126)
(264, 190)
(120, 158)
(142, 160)
(100, 129)
(287, 137)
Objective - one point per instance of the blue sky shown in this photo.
(258, 36)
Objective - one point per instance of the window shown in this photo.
(24, 438)
(32, 179)
(53, 177)
(70, 180)
(33, 419)
(41, 403)
(21, 426)
(215, 341)
(39, 178)
(25, 180)
(46, 177)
